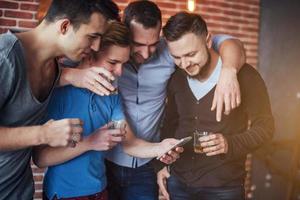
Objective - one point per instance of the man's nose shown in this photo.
(184, 63)
(118, 70)
(96, 44)
(145, 52)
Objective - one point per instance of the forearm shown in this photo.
(259, 134)
(232, 54)
(20, 138)
(46, 156)
(140, 148)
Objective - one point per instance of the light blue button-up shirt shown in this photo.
(143, 93)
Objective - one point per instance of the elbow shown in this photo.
(38, 160)
(127, 149)
(269, 129)
(240, 48)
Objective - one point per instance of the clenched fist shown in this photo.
(62, 132)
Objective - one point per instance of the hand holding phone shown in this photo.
(180, 143)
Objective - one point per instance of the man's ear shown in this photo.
(64, 25)
(208, 40)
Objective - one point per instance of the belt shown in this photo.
(98, 196)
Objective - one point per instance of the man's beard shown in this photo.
(203, 68)
(137, 64)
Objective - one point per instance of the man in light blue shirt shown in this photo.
(143, 90)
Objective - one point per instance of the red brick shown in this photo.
(167, 5)
(248, 15)
(38, 186)
(3, 30)
(38, 195)
(215, 3)
(9, 4)
(27, 24)
(38, 170)
(253, 29)
(211, 10)
(18, 14)
(233, 13)
(32, 7)
(230, 27)
(219, 18)
(240, 7)
(7, 22)
(38, 177)
(254, 9)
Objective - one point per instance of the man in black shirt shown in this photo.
(219, 172)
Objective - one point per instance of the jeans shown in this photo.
(179, 191)
(131, 183)
(98, 196)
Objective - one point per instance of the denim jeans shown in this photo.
(131, 183)
(179, 191)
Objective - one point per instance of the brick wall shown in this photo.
(239, 18)
(18, 14)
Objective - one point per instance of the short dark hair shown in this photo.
(182, 23)
(116, 34)
(80, 11)
(144, 12)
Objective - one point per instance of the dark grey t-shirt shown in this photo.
(18, 107)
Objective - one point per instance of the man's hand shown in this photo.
(214, 144)
(172, 155)
(104, 139)
(162, 176)
(61, 132)
(95, 79)
(227, 93)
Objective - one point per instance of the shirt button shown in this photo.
(193, 158)
(197, 102)
(196, 117)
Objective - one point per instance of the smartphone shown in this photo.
(180, 143)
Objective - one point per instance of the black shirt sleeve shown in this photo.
(256, 102)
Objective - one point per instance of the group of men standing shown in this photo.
(198, 75)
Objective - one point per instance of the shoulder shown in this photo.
(163, 51)
(11, 54)
(111, 100)
(9, 66)
(250, 79)
(248, 73)
(177, 78)
(64, 95)
(7, 40)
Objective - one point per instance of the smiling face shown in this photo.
(112, 58)
(144, 41)
(190, 53)
(77, 44)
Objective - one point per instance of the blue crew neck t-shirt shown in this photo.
(85, 174)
